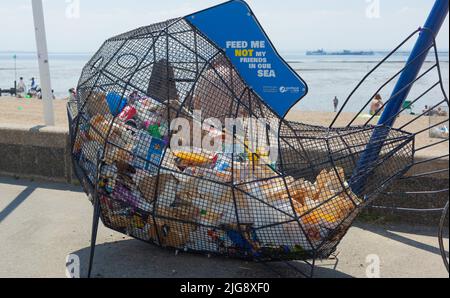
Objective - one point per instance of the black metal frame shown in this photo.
(175, 63)
(441, 235)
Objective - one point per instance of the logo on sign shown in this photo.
(284, 89)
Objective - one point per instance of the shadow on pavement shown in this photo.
(30, 187)
(391, 233)
(136, 259)
(16, 202)
(41, 184)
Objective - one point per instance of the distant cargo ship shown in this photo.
(343, 53)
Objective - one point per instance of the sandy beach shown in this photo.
(29, 112)
(423, 139)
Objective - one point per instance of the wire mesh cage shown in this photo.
(233, 201)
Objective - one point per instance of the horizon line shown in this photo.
(281, 51)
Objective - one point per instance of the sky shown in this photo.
(293, 25)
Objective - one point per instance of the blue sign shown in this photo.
(233, 27)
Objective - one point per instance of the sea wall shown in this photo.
(35, 152)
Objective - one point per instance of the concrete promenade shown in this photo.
(42, 223)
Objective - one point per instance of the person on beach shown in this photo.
(376, 107)
(335, 104)
(72, 95)
(33, 84)
(21, 88)
(426, 111)
(441, 112)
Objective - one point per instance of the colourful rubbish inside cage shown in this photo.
(239, 202)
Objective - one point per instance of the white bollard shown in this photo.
(44, 69)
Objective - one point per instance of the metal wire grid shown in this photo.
(298, 208)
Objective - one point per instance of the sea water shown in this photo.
(65, 70)
(326, 76)
(330, 76)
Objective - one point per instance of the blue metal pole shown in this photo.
(400, 94)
